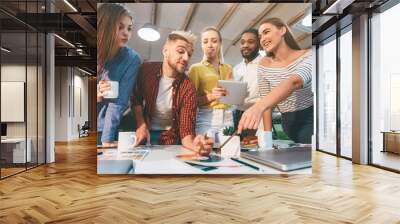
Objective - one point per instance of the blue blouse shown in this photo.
(123, 68)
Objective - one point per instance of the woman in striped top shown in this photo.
(284, 80)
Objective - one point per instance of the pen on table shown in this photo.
(221, 165)
(244, 163)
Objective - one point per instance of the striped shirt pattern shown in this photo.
(269, 78)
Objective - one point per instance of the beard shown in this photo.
(251, 56)
(176, 67)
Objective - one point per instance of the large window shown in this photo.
(346, 92)
(327, 95)
(385, 89)
(329, 111)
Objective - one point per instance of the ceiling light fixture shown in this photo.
(149, 32)
(79, 51)
(70, 5)
(65, 41)
(5, 50)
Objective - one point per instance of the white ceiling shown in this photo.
(172, 16)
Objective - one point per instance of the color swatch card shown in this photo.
(136, 155)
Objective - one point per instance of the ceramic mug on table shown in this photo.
(126, 141)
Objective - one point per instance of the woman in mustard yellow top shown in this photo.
(212, 115)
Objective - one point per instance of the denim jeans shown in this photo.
(99, 134)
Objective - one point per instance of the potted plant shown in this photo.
(228, 131)
(232, 147)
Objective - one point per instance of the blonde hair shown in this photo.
(220, 51)
(108, 17)
(182, 35)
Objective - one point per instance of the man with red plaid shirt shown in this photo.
(165, 100)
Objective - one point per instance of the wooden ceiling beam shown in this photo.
(253, 23)
(302, 37)
(228, 15)
(298, 17)
(189, 16)
(155, 16)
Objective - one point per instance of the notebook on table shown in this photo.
(284, 159)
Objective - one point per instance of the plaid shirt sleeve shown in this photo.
(187, 115)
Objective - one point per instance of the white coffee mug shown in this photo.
(113, 92)
(126, 141)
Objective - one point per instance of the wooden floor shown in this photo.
(70, 191)
(10, 171)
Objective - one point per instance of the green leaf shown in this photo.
(228, 130)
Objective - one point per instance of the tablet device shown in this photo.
(237, 92)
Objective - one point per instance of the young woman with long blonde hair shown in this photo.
(212, 115)
(116, 62)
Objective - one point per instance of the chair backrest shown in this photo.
(86, 125)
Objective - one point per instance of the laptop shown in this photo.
(284, 159)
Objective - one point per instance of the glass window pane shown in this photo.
(22, 88)
(41, 99)
(13, 86)
(327, 96)
(346, 94)
(385, 85)
(31, 97)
